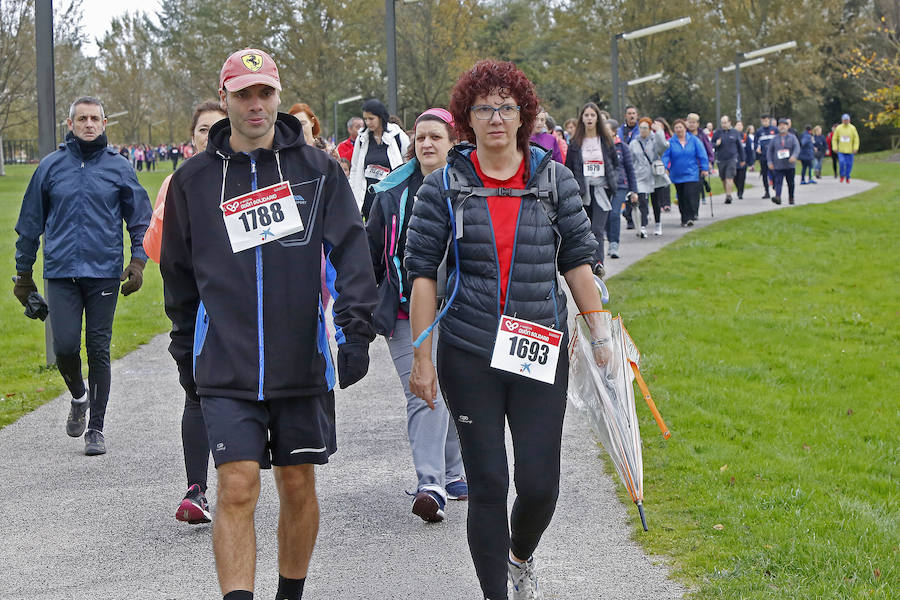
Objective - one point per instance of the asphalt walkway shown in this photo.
(76, 527)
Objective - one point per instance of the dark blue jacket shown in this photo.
(625, 164)
(764, 135)
(685, 162)
(807, 146)
(749, 154)
(629, 135)
(386, 228)
(533, 293)
(730, 146)
(819, 145)
(78, 203)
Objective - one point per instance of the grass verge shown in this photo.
(771, 346)
(25, 383)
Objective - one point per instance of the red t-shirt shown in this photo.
(345, 149)
(504, 211)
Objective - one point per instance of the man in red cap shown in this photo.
(245, 226)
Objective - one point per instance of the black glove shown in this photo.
(134, 274)
(36, 308)
(24, 286)
(353, 361)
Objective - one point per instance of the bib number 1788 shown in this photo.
(262, 216)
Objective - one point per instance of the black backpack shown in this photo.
(460, 191)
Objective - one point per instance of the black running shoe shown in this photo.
(76, 422)
(776, 200)
(94, 444)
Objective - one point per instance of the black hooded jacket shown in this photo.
(260, 327)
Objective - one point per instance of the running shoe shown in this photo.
(727, 200)
(766, 196)
(848, 180)
(803, 182)
(690, 223)
(524, 581)
(643, 232)
(429, 506)
(776, 200)
(667, 208)
(459, 489)
(94, 444)
(842, 180)
(813, 181)
(194, 509)
(790, 200)
(76, 422)
(614, 249)
(658, 230)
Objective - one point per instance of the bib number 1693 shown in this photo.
(527, 349)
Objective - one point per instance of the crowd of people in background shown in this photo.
(145, 157)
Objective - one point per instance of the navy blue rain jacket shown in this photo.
(807, 146)
(78, 203)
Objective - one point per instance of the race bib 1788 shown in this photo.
(260, 217)
(527, 349)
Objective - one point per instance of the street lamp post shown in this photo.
(633, 35)
(336, 103)
(753, 54)
(639, 81)
(390, 23)
(736, 67)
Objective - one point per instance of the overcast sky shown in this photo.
(97, 15)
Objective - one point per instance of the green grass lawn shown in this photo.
(772, 348)
(25, 383)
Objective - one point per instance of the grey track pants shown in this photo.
(432, 434)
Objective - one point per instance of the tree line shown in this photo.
(157, 69)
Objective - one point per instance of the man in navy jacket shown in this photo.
(77, 199)
(764, 136)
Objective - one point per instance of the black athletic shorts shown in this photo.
(280, 432)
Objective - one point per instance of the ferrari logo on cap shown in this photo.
(253, 61)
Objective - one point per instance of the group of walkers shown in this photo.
(445, 241)
(144, 157)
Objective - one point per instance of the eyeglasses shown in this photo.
(483, 112)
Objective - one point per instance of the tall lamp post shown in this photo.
(46, 105)
(751, 55)
(150, 131)
(728, 69)
(633, 35)
(390, 24)
(336, 103)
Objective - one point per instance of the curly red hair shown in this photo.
(485, 77)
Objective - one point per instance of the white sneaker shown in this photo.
(658, 230)
(643, 233)
(524, 581)
(614, 249)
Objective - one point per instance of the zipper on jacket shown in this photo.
(260, 331)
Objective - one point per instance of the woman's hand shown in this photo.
(423, 380)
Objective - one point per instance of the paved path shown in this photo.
(75, 527)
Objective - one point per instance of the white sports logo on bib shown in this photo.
(260, 217)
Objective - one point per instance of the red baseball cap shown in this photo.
(248, 67)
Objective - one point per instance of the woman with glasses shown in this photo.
(507, 224)
(646, 150)
(432, 437)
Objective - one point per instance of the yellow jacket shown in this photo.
(845, 139)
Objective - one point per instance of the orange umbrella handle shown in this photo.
(644, 390)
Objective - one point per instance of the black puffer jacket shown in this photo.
(533, 294)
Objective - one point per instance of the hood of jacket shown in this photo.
(288, 134)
